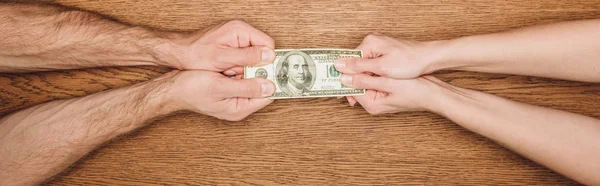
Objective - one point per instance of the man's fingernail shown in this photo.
(266, 89)
(267, 55)
(339, 64)
(346, 79)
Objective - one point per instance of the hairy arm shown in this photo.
(45, 37)
(41, 141)
(566, 50)
(564, 142)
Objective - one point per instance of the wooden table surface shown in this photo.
(315, 141)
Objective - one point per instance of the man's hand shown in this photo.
(38, 37)
(386, 56)
(229, 45)
(214, 94)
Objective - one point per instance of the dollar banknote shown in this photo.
(306, 73)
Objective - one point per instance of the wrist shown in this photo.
(440, 95)
(159, 94)
(443, 55)
(170, 49)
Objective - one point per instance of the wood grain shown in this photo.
(315, 141)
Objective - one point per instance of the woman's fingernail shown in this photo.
(339, 64)
(346, 79)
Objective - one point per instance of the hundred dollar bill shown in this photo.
(305, 73)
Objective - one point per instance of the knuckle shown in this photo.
(373, 110)
(235, 23)
(227, 117)
(367, 107)
(235, 117)
(386, 38)
(372, 37)
(370, 111)
(270, 40)
(234, 114)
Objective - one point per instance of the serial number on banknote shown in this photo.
(306, 73)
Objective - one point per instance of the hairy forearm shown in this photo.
(567, 50)
(565, 142)
(45, 37)
(41, 141)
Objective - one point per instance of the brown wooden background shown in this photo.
(315, 141)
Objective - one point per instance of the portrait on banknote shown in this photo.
(296, 73)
